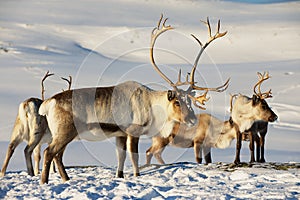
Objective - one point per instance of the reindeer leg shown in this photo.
(157, 155)
(238, 147)
(56, 149)
(251, 146)
(121, 155)
(149, 156)
(207, 154)
(262, 147)
(11, 148)
(35, 139)
(198, 152)
(28, 152)
(48, 157)
(60, 165)
(257, 144)
(156, 149)
(132, 146)
(37, 159)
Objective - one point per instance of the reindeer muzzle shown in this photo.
(273, 118)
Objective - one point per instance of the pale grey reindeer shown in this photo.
(125, 111)
(252, 114)
(212, 132)
(209, 132)
(32, 128)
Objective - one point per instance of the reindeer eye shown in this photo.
(177, 103)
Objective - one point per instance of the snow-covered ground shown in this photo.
(107, 42)
(174, 181)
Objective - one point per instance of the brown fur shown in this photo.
(206, 134)
(30, 127)
(125, 111)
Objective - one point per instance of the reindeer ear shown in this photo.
(255, 100)
(171, 95)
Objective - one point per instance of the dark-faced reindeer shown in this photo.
(125, 111)
(32, 128)
(210, 132)
(252, 115)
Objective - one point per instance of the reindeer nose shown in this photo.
(191, 121)
(273, 118)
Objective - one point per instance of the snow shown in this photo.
(175, 181)
(107, 42)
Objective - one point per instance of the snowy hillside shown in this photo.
(107, 42)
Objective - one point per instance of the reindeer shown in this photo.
(252, 115)
(32, 128)
(125, 111)
(210, 132)
(29, 126)
(47, 137)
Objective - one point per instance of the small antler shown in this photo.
(42, 83)
(262, 78)
(232, 96)
(199, 100)
(69, 81)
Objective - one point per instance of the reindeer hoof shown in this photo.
(237, 162)
(137, 174)
(262, 160)
(120, 174)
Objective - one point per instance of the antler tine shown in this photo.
(200, 99)
(261, 79)
(211, 38)
(216, 89)
(179, 82)
(42, 83)
(200, 43)
(69, 81)
(154, 35)
(268, 94)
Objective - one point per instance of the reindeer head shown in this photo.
(228, 133)
(181, 100)
(247, 110)
(260, 106)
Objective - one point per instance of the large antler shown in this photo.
(69, 81)
(154, 35)
(199, 99)
(203, 47)
(262, 78)
(211, 38)
(43, 88)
